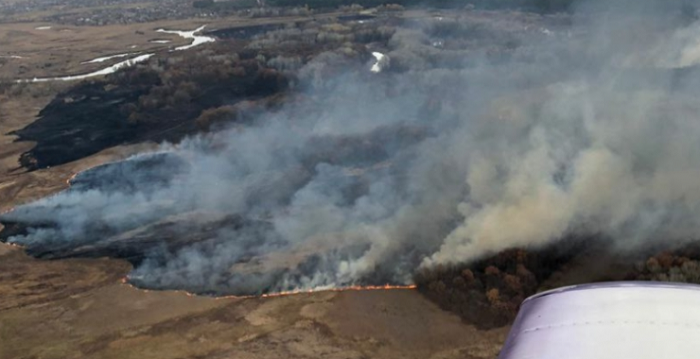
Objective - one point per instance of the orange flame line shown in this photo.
(286, 293)
(125, 280)
(70, 179)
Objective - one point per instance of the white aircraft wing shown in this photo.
(618, 320)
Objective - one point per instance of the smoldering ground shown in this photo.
(493, 131)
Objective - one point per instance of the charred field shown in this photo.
(137, 107)
(478, 156)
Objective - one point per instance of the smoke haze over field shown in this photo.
(587, 129)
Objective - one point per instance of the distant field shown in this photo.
(29, 50)
(47, 50)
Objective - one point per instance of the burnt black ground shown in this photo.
(78, 123)
(91, 116)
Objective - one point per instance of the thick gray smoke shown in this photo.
(525, 131)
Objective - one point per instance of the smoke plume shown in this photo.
(486, 133)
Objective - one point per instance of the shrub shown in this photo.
(669, 267)
(487, 293)
(215, 115)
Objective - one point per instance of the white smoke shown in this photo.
(456, 153)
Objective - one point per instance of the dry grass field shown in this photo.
(50, 50)
(60, 50)
(78, 308)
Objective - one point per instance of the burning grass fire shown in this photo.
(125, 281)
(451, 156)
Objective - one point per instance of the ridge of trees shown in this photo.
(488, 293)
(540, 5)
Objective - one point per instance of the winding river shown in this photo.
(196, 41)
(106, 58)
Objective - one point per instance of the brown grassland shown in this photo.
(78, 308)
